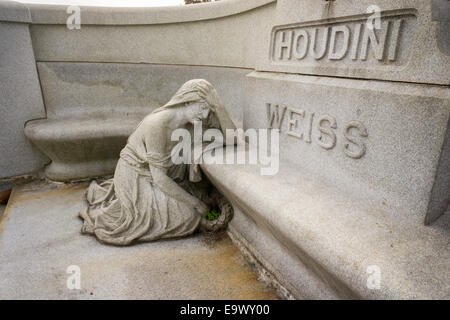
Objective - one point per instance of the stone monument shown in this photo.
(357, 90)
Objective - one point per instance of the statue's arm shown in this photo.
(172, 189)
(155, 141)
(225, 120)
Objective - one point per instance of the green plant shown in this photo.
(212, 215)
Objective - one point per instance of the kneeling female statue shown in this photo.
(150, 197)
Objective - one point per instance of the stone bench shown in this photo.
(92, 108)
(320, 244)
(81, 147)
(362, 189)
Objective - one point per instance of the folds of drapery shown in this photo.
(130, 207)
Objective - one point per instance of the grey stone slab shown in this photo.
(440, 194)
(332, 38)
(40, 238)
(56, 14)
(379, 143)
(80, 89)
(237, 40)
(82, 147)
(20, 101)
(14, 12)
(441, 10)
(322, 244)
(411, 44)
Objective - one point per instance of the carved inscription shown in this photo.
(305, 125)
(345, 39)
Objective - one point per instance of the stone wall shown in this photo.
(126, 62)
(20, 98)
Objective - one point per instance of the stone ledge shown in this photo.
(12, 11)
(81, 148)
(440, 10)
(56, 14)
(333, 238)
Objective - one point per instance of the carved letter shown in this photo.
(343, 50)
(301, 53)
(355, 42)
(275, 115)
(327, 132)
(285, 43)
(305, 133)
(322, 52)
(361, 146)
(378, 46)
(392, 55)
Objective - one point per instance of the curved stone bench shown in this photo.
(93, 107)
(321, 244)
(81, 147)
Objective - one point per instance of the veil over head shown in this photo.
(195, 90)
(200, 90)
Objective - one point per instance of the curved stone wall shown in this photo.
(363, 116)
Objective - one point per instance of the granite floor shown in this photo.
(40, 239)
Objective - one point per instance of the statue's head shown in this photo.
(198, 99)
(196, 111)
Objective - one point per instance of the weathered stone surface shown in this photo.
(37, 247)
(212, 42)
(363, 162)
(379, 143)
(56, 14)
(82, 147)
(20, 93)
(77, 89)
(92, 108)
(14, 12)
(441, 14)
(331, 38)
(319, 242)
